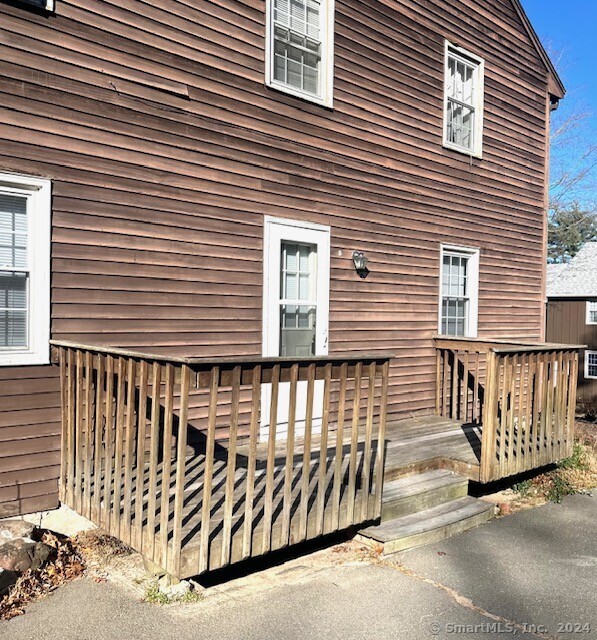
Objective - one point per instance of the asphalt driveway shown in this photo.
(532, 574)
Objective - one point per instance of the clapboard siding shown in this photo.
(166, 150)
(567, 323)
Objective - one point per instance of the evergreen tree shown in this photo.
(569, 228)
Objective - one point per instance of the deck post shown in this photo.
(489, 429)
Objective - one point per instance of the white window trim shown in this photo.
(473, 254)
(587, 376)
(326, 98)
(38, 255)
(588, 312)
(477, 151)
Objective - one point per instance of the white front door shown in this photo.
(296, 291)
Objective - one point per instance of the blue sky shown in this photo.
(570, 27)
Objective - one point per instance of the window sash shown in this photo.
(592, 312)
(463, 101)
(590, 364)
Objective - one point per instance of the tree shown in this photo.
(573, 176)
(569, 228)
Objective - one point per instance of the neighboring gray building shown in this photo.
(572, 313)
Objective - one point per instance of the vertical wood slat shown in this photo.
(513, 365)
(118, 446)
(463, 414)
(454, 402)
(306, 470)
(354, 443)
(490, 419)
(166, 466)
(79, 431)
(109, 430)
(225, 555)
(204, 554)
(339, 456)
(381, 438)
(99, 438)
(365, 492)
(446, 383)
(271, 461)
(71, 419)
(175, 557)
(88, 437)
(140, 462)
(251, 462)
(289, 466)
(476, 412)
(323, 452)
(536, 409)
(572, 383)
(438, 382)
(549, 411)
(64, 424)
(154, 434)
(129, 442)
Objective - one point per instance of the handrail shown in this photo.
(220, 360)
(501, 345)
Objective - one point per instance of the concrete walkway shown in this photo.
(536, 568)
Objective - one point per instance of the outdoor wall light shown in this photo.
(360, 263)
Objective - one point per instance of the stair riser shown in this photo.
(432, 498)
(438, 534)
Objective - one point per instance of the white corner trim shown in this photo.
(326, 96)
(588, 312)
(477, 151)
(39, 194)
(474, 256)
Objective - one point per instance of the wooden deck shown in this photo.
(412, 445)
(134, 464)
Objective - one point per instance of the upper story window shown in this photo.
(24, 270)
(48, 5)
(591, 311)
(300, 48)
(463, 101)
(459, 292)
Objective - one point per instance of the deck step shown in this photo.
(429, 525)
(422, 491)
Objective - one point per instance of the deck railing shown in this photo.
(142, 456)
(522, 395)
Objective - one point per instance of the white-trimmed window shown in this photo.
(300, 48)
(25, 204)
(459, 291)
(463, 101)
(591, 364)
(591, 311)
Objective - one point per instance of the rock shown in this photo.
(177, 591)
(20, 555)
(13, 529)
(7, 580)
(153, 570)
(505, 508)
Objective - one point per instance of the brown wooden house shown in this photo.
(572, 314)
(242, 223)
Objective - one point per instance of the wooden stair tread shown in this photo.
(428, 520)
(420, 483)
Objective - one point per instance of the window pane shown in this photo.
(591, 363)
(460, 124)
(13, 311)
(297, 330)
(13, 231)
(297, 44)
(592, 305)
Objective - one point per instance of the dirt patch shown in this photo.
(63, 565)
(576, 474)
